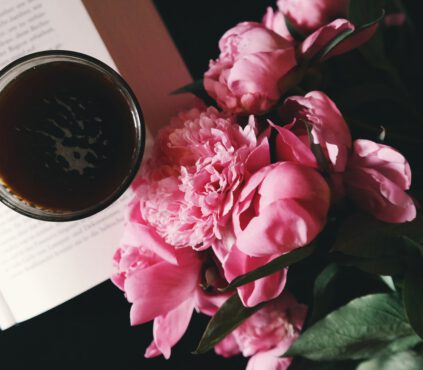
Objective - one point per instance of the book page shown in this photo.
(43, 264)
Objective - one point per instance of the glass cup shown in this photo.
(129, 107)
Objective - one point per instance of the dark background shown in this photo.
(92, 331)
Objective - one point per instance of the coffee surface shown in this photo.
(67, 136)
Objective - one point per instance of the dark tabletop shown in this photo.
(92, 331)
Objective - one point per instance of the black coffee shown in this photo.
(67, 136)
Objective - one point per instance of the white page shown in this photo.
(43, 264)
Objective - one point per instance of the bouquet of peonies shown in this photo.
(281, 214)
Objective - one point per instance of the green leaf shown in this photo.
(275, 265)
(230, 315)
(365, 237)
(324, 292)
(196, 88)
(400, 344)
(358, 330)
(303, 364)
(399, 361)
(413, 299)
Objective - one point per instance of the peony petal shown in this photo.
(275, 21)
(353, 42)
(227, 347)
(260, 39)
(288, 180)
(152, 351)
(379, 196)
(158, 289)
(308, 15)
(138, 233)
(170, 328)
(385, 159)
(238, 263)
(319, 39)
(328, 127)
(259, 157)
(281, 227)
(259, 73)
(290, 148)
(376, 179)
(269, 360)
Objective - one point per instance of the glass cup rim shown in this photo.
(138, 121)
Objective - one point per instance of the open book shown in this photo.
(43, 264)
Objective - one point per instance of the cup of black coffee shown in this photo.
(71, 135)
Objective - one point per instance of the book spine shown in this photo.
(6, 316)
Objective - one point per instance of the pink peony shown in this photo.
(267, 334)
(164, 284)
(308, 15)
(328, 129)
(252, 63)
(158, 280)
(190, 184)
(281, 207)
(376, 179)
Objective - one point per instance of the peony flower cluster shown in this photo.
(259, 62)
(222, 195)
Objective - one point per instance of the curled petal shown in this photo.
(238, 263)
(318, 40)
(269, 360)
(376, 179)
(168, 329)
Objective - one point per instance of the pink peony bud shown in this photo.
(376, 179)
(246, 76)
(281, 207)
